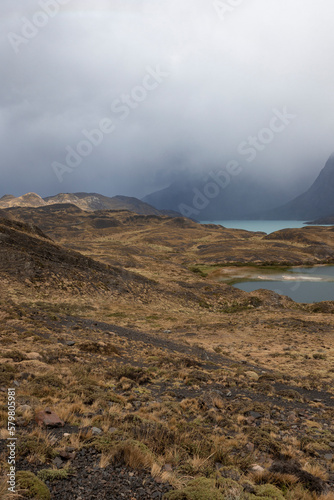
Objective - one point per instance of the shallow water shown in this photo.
(306, 285)
(265, 226)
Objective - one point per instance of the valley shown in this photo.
(158, 371)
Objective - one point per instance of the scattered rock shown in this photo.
(96, 431)
(70, 343)
(68, 453)
(329, 456)
(57, 462)
(257, 468)
(114, 482)
(255, 415)
(252, 375)
(49, 419)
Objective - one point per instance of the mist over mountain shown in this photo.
(220, 196)
(234, 194)
(207, 87)
(315, 203)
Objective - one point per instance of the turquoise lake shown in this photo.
(266, 226)
(305, 285)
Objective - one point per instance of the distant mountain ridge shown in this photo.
(233, 197)
(243, 197)
(85, 201)
(27, 200)
(323, 221)
(246, 198)
(315, 203)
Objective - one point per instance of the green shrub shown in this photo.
(53, 474)
(198, 489)
(34, 487)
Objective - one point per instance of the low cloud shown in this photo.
(226, 74)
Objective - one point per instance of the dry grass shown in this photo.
(316, 470)
(169, 407)
(4, 493)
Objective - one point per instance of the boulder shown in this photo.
(48, 418)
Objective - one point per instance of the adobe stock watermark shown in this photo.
(30, 28)
(11, 441)
(226, 7)
(216, 182)
(121, 108)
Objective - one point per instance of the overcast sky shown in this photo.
(201, 78)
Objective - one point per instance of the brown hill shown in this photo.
(27, 200)
(28, 255)
(94, 201)
(30, 258)
(143, 241)
(89, 202)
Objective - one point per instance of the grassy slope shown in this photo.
(171, 360)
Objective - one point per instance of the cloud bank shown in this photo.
(224, 66)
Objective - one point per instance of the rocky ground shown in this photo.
(155, 381)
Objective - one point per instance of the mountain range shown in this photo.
(89, 202)
(124, 330)
(208, 198)
(246, 198)
(236, 197)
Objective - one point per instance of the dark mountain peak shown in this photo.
(315, 203)
(327, 173)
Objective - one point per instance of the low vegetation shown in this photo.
(173, 377)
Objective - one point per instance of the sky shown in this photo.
(125, 96)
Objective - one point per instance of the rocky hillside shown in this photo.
(133, 238)
(155, 381)
(29, 256)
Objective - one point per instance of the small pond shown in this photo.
(306, 285)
